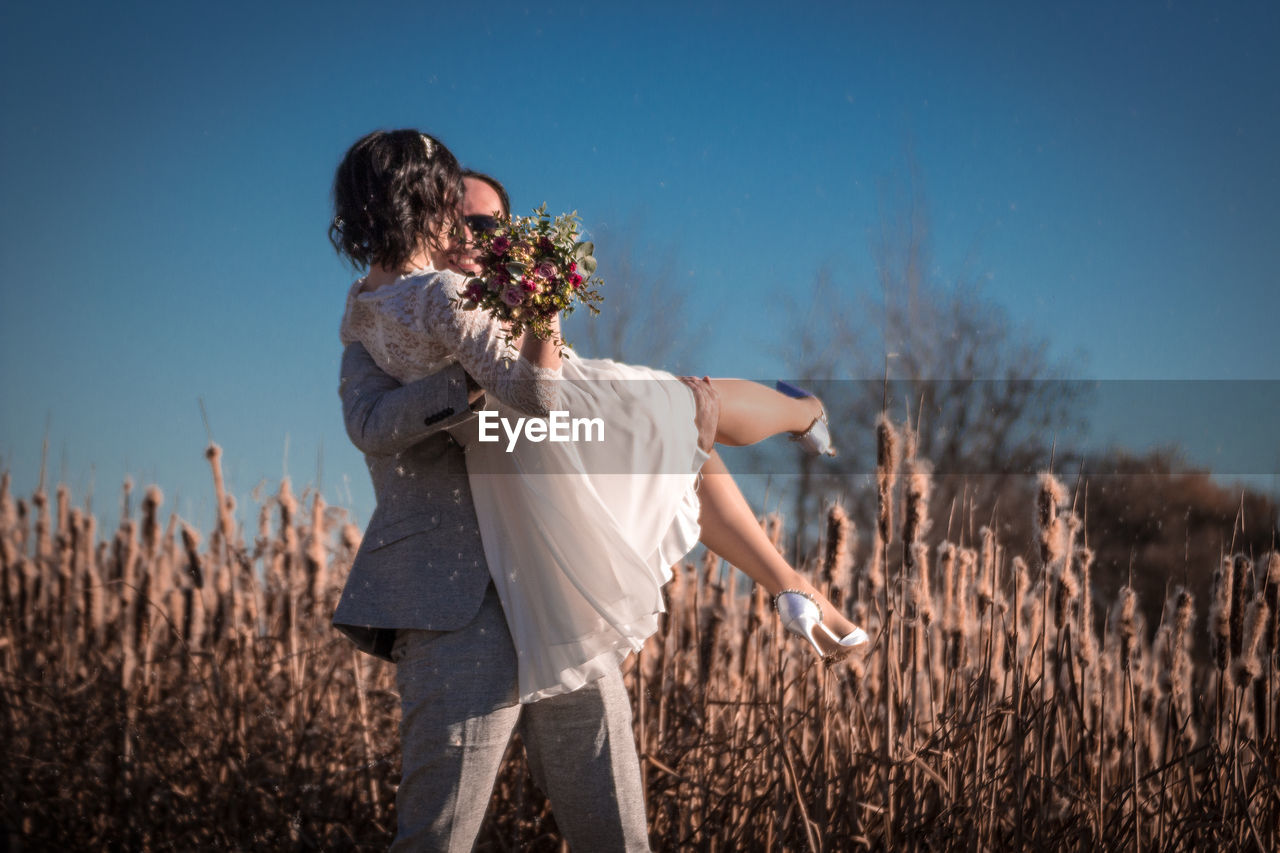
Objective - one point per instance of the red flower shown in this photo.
(544, 244)
(500, 244)
(575, 280)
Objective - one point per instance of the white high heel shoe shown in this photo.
(817, 438)
(802, 616)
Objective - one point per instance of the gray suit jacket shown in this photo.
(421, 563)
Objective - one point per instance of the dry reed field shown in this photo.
(167, 690)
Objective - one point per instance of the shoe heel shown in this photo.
(809, 628)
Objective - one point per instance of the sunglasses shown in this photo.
(481, 224)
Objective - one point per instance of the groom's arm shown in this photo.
(384, 417)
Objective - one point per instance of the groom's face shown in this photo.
(480, 200)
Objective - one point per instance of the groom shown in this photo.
(419, 594)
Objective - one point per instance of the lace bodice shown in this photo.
(412, 329)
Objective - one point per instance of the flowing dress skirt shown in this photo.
(580, 535)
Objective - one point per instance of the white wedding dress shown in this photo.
(579, 535)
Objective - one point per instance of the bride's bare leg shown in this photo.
(751, 412)
(729, 528)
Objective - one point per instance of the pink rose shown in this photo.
(546, 269)
(512, 296)
(529, 284)
(500, 244)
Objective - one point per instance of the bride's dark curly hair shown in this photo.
(395, 192)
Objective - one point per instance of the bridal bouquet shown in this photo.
(531, 268)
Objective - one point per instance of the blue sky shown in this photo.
(1107, 173)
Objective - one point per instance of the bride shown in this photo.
(579, 535)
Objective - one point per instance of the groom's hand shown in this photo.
(706, 400)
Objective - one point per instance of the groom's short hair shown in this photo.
(497, 187)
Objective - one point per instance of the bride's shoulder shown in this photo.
(446, 281)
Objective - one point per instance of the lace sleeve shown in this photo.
(475, 338)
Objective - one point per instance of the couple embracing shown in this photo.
(508, 581)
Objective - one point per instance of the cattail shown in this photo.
(8, 514)
(1088, 644)
(875, 566)
(837, 559)
(886, 474)
(234, 536)
(1272, 563)
(197, 624)
(986, 568)
(351, 537)
(195, 562)
(1124, 623)
(916, 514)
(947, 553)
(92, 593)
(1050, 495)
(1105, 677)
(225, 520)
(288, 505)
(921, 595)
(759, 609)
(20, 537)
(1220, 614)
(707, 574)
(712, 617)
(63, 499)
(964, 585)
(44, 542)
(1021, 585)
(1033, 619)
(910, 442)
(1050, 527)
(315, 554)
(126, 499)
(1241, 591)
(8, 543)
(1248, 666)
(152, 500)
(1183, 618)
(1066, 592)
(674, 590)
(264, 529)
(1068, 588)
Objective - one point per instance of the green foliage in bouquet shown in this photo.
(531, 268)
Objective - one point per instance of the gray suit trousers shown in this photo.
(458, 710)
